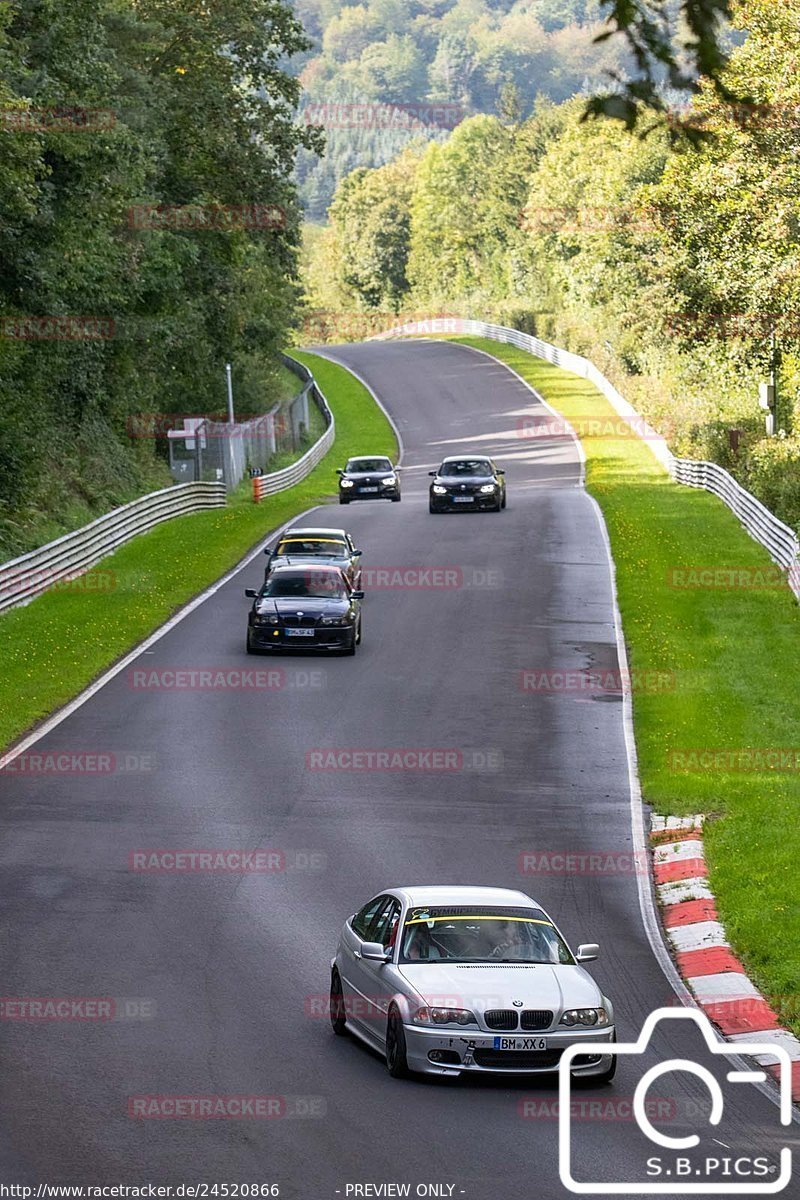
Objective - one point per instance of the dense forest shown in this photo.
(149, 233)
(377, 68)
(670, 264)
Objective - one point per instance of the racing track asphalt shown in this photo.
(233, 963)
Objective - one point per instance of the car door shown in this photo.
(355, 933)
(369, 1001)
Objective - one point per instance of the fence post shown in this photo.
(256, 489)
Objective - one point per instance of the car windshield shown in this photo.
(311, 584)
(466, 466)
(323, 547)
(476, 935)
(368, 464)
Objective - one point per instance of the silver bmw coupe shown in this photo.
(442, 980)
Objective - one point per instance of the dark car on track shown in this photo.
(469, 483)
(368, 478)
(320, 547)
(307, 608)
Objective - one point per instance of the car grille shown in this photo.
(296, 622)
(500, 1018)
(521, 1059)
(536, 1018)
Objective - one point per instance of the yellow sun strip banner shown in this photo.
(315, 540)
(480, 917)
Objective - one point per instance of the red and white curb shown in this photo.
(712, 971)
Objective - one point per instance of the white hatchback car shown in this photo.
(449, 979)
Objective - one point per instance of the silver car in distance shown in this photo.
(442, 980)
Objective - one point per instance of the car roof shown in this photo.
(465, 895)
(370, 457)
(467, 457)
(309, 533)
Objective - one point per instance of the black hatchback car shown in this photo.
(368, 478)
(467, 483)
(304, 608)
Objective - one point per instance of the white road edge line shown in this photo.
(644, 882)
(364, 384)
(61, 714)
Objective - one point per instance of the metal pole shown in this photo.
(230, 394)
(773, 345)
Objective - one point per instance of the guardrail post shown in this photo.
(256, 489)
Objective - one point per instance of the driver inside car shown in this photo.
(420, 944)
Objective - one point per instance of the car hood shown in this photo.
(489, 986)
(290, 606)
(376, 475)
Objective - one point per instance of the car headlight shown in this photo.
(345, 483)
(487, 487)
(335, 620)
(263, 619)
(439, 490)
(389, 481)
(584, 1016)
(443, 1016)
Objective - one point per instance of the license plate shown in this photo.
(370, 489)
(299, 632)
(520, 1043)
(463, 499)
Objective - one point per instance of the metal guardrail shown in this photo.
(277, 481)
(23, 578)
(780, 542)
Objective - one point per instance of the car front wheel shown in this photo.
(338, 1019)
(396, 1060)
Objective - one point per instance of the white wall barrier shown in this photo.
(778, 539)
(70, 556)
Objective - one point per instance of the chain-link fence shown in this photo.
(219, 451)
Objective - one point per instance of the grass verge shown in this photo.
(726, 649)
(51, 649)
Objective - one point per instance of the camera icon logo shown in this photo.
(684, 1174)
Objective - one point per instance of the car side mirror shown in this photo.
(357, 553)
(588, 953)
(251, 593)
(267, 550)
(500, 471)
(374, 952)
(340, 470)
(357, 595)
(433, 473)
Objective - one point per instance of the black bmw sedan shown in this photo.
(304, 607)
(368, 479)
(467, 483)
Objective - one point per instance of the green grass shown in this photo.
(731, 656)
(51, 649)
